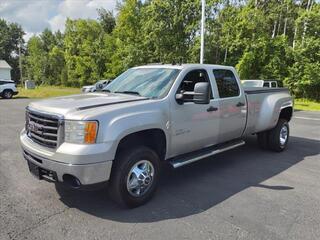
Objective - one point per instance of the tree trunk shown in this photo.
(305, 24)
(274, 29)
(286, 21)
(225, 55)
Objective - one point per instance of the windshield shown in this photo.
(146, 82)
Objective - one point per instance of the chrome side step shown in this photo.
(193, 157)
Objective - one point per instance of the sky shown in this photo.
(36, 15)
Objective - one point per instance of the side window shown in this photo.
(227, 83)
(273, 84)
(190, 80)
(266, 84)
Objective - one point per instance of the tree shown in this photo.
(83, 53)
(11, 36)
(170, 29)
(127, 39)
(274, 39)
(107, 20)
(36, 59)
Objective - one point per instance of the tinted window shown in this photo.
(226, 82)
(273, 84)
(190, 80)
(266, 84)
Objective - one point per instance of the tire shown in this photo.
(263, 140)
(122, 174)
(279, 136)
(7, 94)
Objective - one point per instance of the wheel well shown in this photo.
(286, 113)
(152, 138)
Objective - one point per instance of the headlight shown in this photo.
(84, 132)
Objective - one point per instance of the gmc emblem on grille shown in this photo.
(34, 127)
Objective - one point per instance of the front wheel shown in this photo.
(7, 94)
(134, 176)
(279, 136)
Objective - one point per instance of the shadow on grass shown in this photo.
(195, 188)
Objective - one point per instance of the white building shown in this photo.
(5, 70)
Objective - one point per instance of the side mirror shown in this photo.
(201, 93)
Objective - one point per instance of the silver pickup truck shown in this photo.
(149, 114)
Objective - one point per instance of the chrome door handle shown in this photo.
(240, 104)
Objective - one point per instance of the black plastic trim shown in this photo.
(269, 90)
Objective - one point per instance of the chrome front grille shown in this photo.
(43, 128)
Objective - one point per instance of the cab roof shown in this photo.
(184, 66)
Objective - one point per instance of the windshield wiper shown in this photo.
(129, 92)
(105, 90)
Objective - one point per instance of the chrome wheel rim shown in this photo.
(283, 135)
(7, 94)
(140, 178)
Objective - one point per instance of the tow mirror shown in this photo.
(201, 93)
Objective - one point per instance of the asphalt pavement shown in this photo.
(246, 193)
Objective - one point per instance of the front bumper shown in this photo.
(90, 167)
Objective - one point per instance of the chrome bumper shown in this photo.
(88, 173)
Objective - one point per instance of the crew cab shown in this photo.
(151, 114)
(8, 89)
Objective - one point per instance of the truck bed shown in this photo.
(264, 106)
(257, 90)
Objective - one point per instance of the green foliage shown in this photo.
(83, 53)
(274, 39)
(107, 20)
(45, 59)
(169, 29)
(10, 38)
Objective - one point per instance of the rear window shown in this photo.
(273, 84)
(226, 82)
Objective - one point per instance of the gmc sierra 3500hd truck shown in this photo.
(147, 115)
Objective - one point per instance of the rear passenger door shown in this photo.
(232, 105)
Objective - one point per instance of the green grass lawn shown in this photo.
(307, 105)
(46, 92)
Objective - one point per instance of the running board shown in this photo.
(207, 152)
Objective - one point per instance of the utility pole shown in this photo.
(202, 30)
(20, 63)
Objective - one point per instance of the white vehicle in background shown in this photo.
(8, 89)
(96, 87)
(260, 83)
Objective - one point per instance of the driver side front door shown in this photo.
(193, 126)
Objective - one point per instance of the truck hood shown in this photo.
(68, 104)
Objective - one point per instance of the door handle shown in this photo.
(240, 104)
(211, 109)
